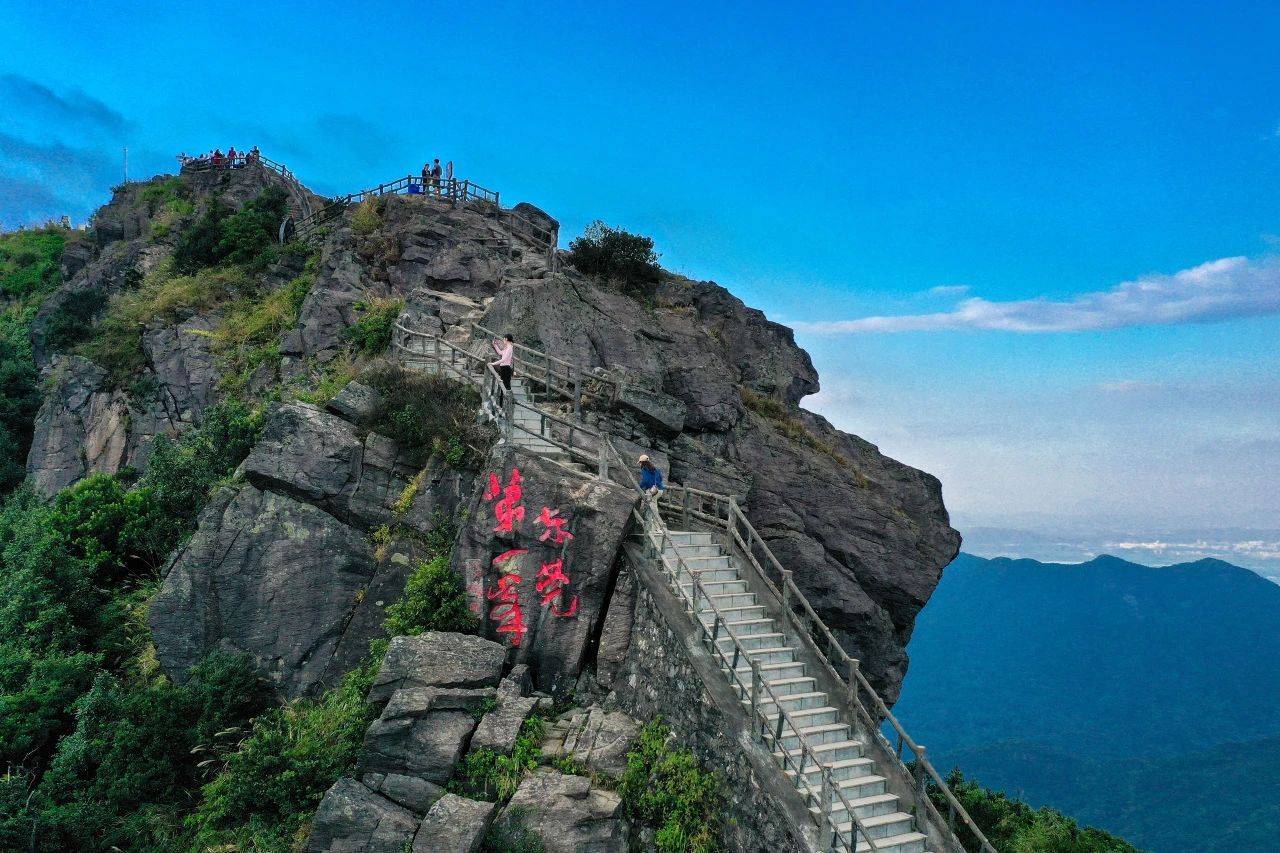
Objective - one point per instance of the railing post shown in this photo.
(828, 830)
(786, 594)
(755, 699)
(921, 776)
(684, 505)
(576, 378)
(853, 685)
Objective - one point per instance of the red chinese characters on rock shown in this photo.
(550, 585)
(508, 511)
(554, 524)
(507, 612)
(552, 580)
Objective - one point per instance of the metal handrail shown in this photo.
(734, 521)
(853, 676)
(823, 796)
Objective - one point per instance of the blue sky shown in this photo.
(1000, 228)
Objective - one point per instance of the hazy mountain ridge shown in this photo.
(1131, 697)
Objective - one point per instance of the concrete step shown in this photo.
(723, 602)
(721, 573)
(776, 654)
(716, 587)
(784, 687)
(753, 641)
(771, 672)
(690, 552)
(815, 715)
(844, 772)
(692, 537)
(794, 702)
(864, 807)
(881, 826)
(743, 628)
(830, 751)
(907, 842)
(815, 735)
(734, 614)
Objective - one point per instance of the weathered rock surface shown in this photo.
(81, 427)
(425, 745)
(499, 728)
(437, 659)
(352, 818)
(412, 792)
(552, 627)
(184, 365)
(356, 402)
(566, 814)
(265, 574)
(596, 739)
(455, 824)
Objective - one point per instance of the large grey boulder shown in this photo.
(437, 659)
(454, 824)
(356, 402)
(552, 628)
(594, 738)
(352, 818)
(567, 814)
(500, 727)
(425, 746)
(322, 459)
(82, 427)
(264, 574)
(412, 792)
(185, 368)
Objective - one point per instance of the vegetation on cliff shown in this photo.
(29, 271)
(99, 748)
(618, 257)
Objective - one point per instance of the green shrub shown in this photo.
(249, 334)
(121, 776)
(371, 333)
(617, 256)
(72, 321)
(664, 787)
(367, 217)
(29, 261)
(271, 784)
(1012, 825)
(420, 410)
(489, 775)
(221, 236)
(433, 600)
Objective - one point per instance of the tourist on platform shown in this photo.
(505, 365)
(650, 477)
(435, 176)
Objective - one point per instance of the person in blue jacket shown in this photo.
(650, 477)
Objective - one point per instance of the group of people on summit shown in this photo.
(234, 159)
(651, 484)
(433, 174)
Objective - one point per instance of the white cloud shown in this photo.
(1217, 290)
(950, 290)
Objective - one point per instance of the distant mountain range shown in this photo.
(1142, 700)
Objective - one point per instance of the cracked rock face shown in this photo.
(264, 574)
(566, 814)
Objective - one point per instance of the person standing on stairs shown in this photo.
(506, 350)
(650, 477)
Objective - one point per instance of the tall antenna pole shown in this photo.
(126, 165)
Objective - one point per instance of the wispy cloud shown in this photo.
(71, 107)
(1126, 386)
(1217, 290)
(949, 290)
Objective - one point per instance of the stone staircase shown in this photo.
(859, 793)
(787, 668)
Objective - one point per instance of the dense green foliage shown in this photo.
(274, 780)
(664, 787)
(245, 237)
(1015, 827)
(490, 775)
(249, 336)
(29, 271)
(429, 412)
(433, 600)
(617, 256)
(371, 332)
(99, 747)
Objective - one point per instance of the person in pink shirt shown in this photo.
(505, 365)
